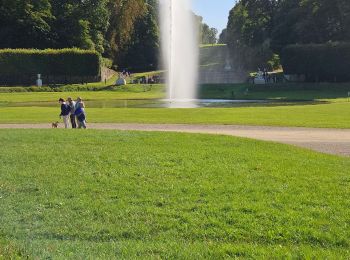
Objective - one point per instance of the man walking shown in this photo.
(71, 104)
(65, 110)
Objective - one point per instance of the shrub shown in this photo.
(22, 65)
(12, 89)
(108, 63)
(318, 62)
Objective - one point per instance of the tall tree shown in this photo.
(311, 21)
(25, 23)
(124, 14)
(142, 51)
(223, 37)
(81, 24)
(248, 32)
(206, 34)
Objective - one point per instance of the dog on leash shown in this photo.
(55, 125)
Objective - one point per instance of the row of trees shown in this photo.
(207, 35)
(126, 31)
(259, 29)
(118, 29)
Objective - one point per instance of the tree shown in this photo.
(142, 51)
(80, 24)
(25, 23)
(311, 21)
(259, 29)
(206, 34)
(248, 32)
(223, 37)
(124, 14)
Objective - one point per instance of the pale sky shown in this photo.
(214, 12)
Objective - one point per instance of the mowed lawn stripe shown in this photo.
(330, 115)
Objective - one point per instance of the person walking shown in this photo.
(65, 110)
(80, 113)
(71, 104)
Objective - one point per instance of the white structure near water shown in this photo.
(180, 49)
(39, 81)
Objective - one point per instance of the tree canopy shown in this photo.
(258, 29)
(114, 28)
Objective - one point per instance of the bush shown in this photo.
(108, 63)
(20, 66)
(318, 62)
(12, 89)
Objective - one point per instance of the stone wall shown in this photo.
(220, 77)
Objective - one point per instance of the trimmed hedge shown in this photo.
(318, 62)
(22, 65)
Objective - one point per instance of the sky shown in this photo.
(214, 12)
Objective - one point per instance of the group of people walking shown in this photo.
(73, 113)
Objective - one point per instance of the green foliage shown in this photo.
(206, 34)
(223, 37)
(310, 21)
(138, 195)
(125, 31)
(53, 24)
(275, 62)
(141, 52)
(124, 14)
(25, 24)
(108, 63)
(259, 29)
(18, 63)
(248, 29)
(318, 62)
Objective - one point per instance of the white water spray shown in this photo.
(180, 49)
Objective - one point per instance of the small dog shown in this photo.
(55, 125)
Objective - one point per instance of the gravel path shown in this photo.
(331, 141)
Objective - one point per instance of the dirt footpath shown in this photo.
(332, 141)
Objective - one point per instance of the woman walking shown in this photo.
(65, 110)
(71, 104)
(80, 113)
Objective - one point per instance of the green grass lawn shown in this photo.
(329, 107)
(110, 194)
(335, 115)
(283, 92)
(127, 92)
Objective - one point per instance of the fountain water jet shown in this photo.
(180, 50)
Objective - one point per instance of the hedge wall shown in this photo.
(318, 62)
(20, 66)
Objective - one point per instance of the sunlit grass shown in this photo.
(334, 115)
(108, 194)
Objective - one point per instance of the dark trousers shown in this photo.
(73, 122)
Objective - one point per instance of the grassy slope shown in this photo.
(126, 194)
(212, 56)
(332, 115)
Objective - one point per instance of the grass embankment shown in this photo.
(332, 115)
(213, 56)
(109, 194)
